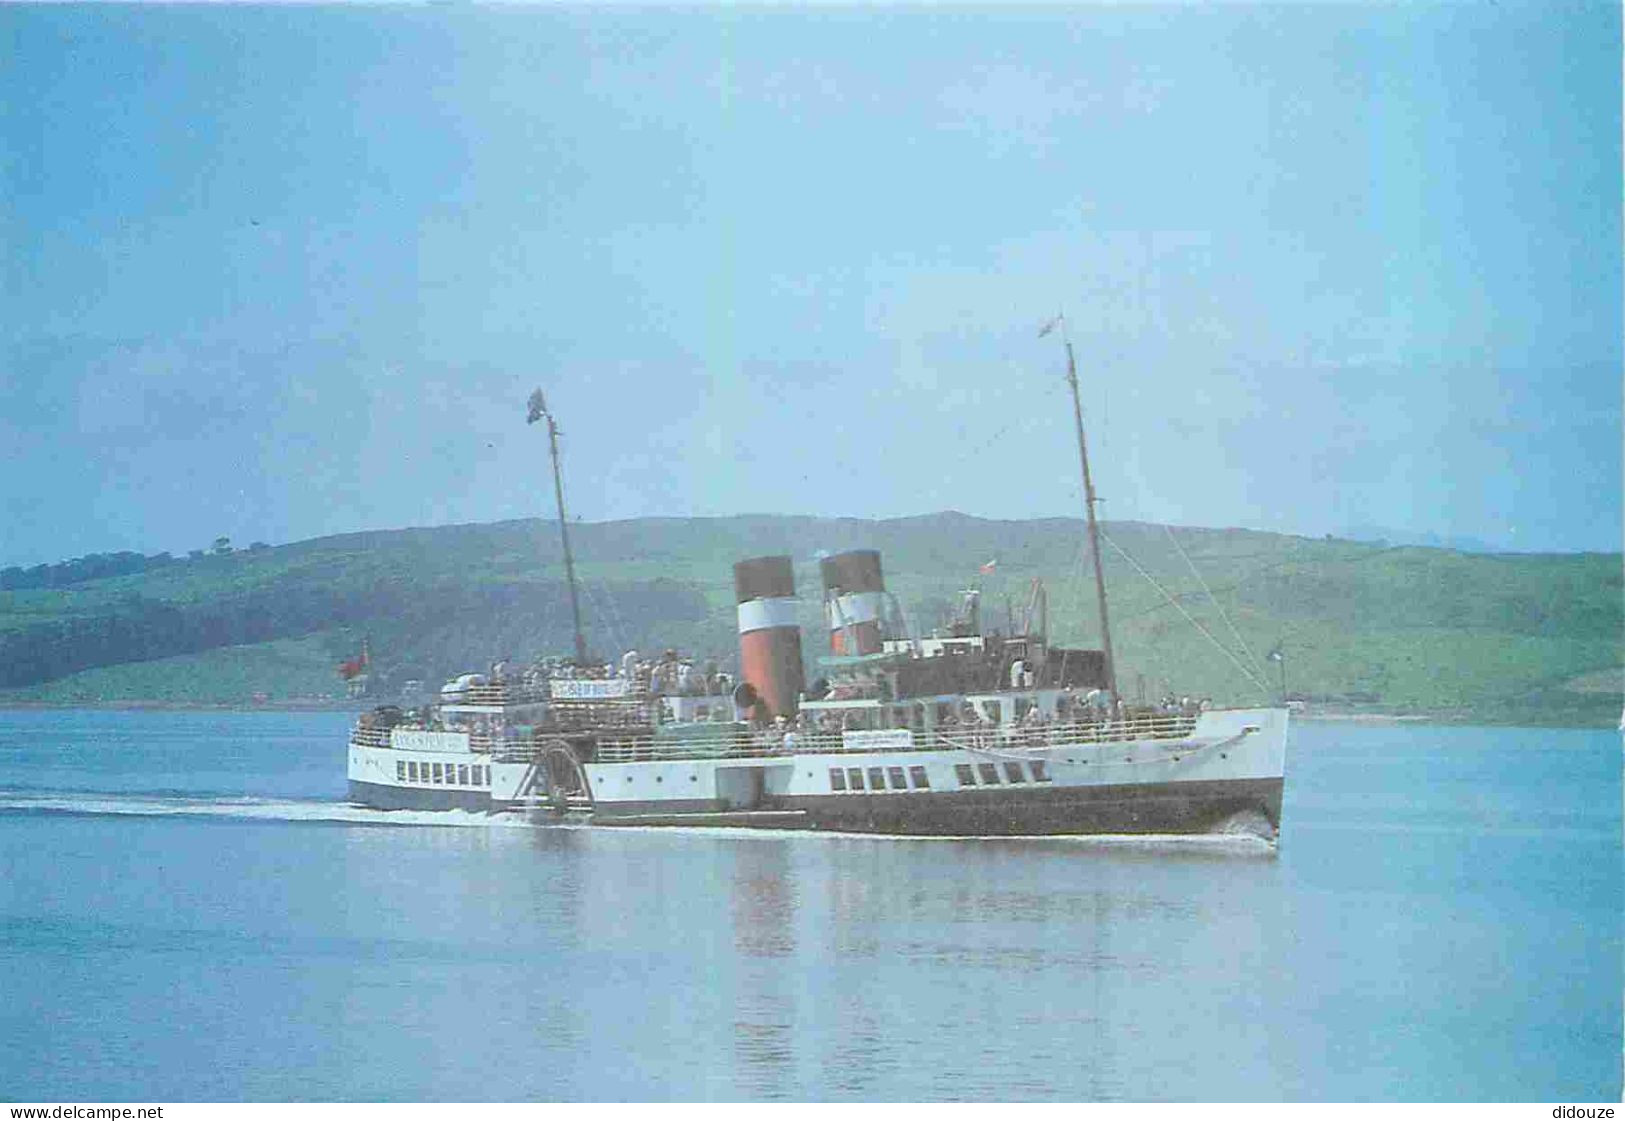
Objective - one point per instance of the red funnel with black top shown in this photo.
(854, 601)
(769, 632)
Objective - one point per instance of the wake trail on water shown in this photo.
(242, 809)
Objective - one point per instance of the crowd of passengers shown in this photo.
(673, 675)
(669, 675)
(1094, 707)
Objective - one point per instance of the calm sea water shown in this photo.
(190, 912)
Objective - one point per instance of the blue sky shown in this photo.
(282, 272)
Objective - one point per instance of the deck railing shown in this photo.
(500, 693)
(369, 737)
(642, 745)
(497, 694)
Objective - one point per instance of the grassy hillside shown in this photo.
(1503, 638)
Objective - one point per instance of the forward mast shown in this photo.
(538, 411)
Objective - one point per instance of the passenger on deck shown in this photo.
(663, 678)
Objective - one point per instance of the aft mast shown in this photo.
(538, 411)
(1089, 501)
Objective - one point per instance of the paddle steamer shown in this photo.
(963, 733)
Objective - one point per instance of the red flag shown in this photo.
(355, 667)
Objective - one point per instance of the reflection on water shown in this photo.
(1444, 925)
(763, 901)
(766, 1019)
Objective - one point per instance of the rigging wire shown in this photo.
(1165, 671)
(1078, 576)
(1274, 566)
(1245, 649)
(618, 626)
(1019, 425)
(615, 634)
(1225, 650)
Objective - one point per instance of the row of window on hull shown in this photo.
(989, 772)
(882, 778)
(442, 774)
(852, 778)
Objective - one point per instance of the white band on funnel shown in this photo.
(760, 614)
(859, 607)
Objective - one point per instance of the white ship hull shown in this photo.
(1230, 764)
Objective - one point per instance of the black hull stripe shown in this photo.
(602, 810)
(1174, 807)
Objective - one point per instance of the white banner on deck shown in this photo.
(589, 690)
(416, 739)
(892, 738)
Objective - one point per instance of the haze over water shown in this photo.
(191, 912)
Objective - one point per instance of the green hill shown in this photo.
(1528, 638)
